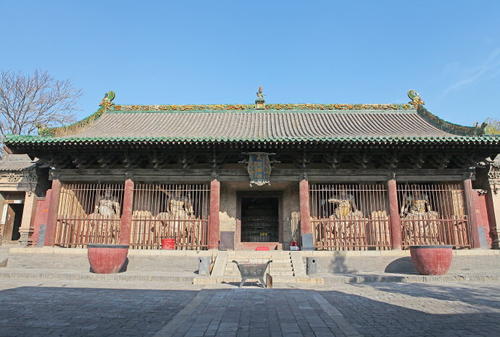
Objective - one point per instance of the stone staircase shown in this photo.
(281, 269)
(287, 267)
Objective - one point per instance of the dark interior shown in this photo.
(18, 211)
(259, 219)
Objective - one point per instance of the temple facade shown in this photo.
(280, 176)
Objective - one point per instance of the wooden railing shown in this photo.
(77, 232)
(351, 234)
(425, 231)
(188, 234)
(145, 234)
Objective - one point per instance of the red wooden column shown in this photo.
(305, 216)
(471, 213)
(395, 220)
(50, 231)
(213, 221)
(126, 219)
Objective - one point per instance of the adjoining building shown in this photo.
(19, 188)
(323, 176)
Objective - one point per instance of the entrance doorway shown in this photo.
(260, 219)
(13, 218)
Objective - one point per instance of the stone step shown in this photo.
(237, 272)
(272, 271)
(79, 262)
(276, 279)
(272, 266)
(260, 260)
(52, 274)
(258, 256)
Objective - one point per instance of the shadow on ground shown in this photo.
(379, 318)
(59, 311)
(403, 265)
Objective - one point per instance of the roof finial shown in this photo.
(107, 101)
(416, 100)
(260, 102)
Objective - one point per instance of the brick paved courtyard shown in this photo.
(77, 308)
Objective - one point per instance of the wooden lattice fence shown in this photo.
(433, 214)
(89, 213)
(350, 216)
(178, 211)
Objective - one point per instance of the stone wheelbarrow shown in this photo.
(255, 271)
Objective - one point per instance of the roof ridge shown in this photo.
(253, 111)
(275, 106)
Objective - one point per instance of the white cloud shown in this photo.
(490, 69)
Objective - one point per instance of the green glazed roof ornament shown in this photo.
(416, 100)
(107, 101)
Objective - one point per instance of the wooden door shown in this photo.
(9, 223)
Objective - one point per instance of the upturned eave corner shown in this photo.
(455, 129)
(61, 131)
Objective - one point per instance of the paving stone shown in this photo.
(374, 309)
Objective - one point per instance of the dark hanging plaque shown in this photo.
(259, 168)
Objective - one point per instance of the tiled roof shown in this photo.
(496, 161)
(267, 124)
(286, 123)
(15, 162)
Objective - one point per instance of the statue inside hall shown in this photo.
(107, 204)
(344, 206)
(416, 204)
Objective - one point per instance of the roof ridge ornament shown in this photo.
(107, 101)
(260, 102)
(416, 100)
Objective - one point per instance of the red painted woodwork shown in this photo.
(168, 244)
(305, 212)
(431, 260)
(50, 231)
(255, 245)
(262, 248)
(470, 203)
(394, 219)
(483, 217)
(106, 259)
(41, 216)
(126, 218)
(213, 222)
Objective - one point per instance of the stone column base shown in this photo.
(23, 239)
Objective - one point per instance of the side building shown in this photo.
(321, 176)
(22, 182)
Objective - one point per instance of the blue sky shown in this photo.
(214, 52)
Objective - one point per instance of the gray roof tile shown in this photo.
(261, 124)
